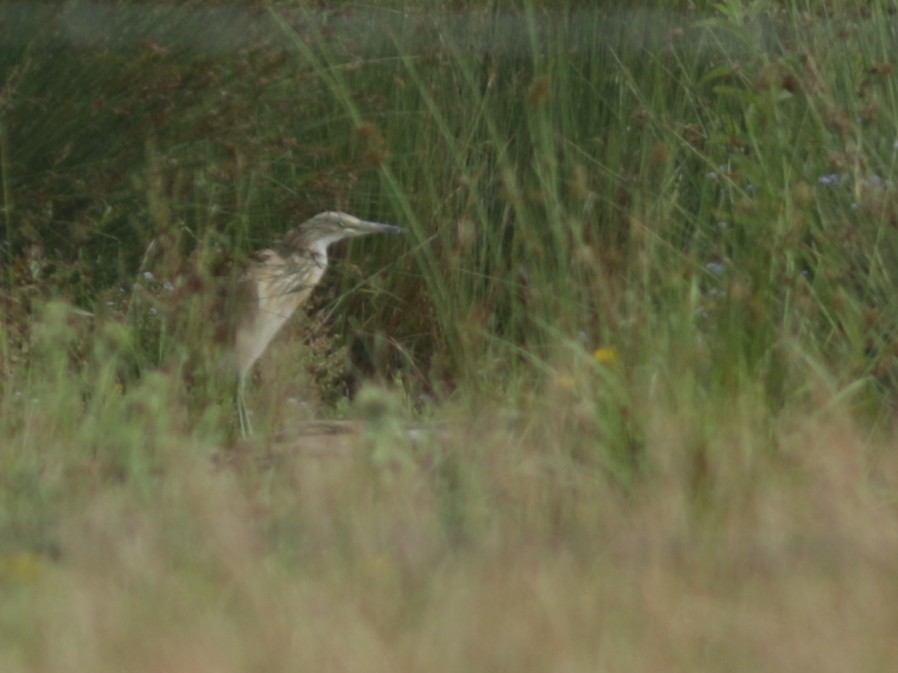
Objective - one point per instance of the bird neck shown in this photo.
(317, 250)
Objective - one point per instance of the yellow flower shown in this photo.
(22, 567)
(605, 355)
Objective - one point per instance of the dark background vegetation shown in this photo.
(564, 169)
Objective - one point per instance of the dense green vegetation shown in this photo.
(624, 391)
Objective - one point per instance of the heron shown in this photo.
(278, 281)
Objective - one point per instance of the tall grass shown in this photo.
(645, 304)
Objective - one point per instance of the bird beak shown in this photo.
(364, 227)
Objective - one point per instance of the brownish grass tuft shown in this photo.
(479, 548)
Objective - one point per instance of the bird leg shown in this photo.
(246, 427)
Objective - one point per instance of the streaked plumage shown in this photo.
(278, 282)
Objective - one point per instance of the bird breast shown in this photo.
(278, 287)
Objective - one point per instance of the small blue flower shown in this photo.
(716, 268)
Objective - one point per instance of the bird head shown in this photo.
(329, 227)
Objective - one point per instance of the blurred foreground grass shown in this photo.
(623, 399)
(500, 538)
